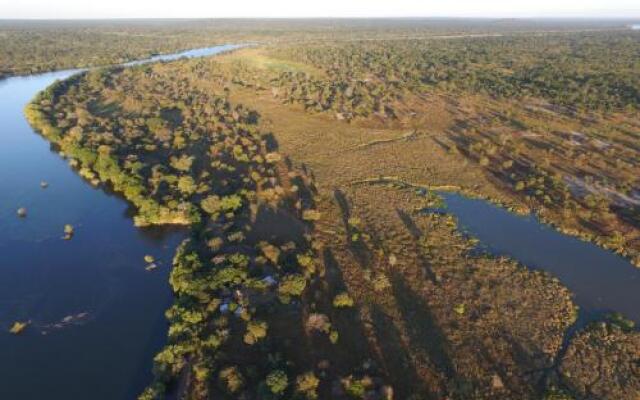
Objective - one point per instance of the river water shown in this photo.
(602, 282)
(96, 315)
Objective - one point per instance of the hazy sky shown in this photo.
(315, 8)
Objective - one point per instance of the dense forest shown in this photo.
(587, 71)
(309, 275)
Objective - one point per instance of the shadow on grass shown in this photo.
(416, 234)
(358, 248)
(425, 335)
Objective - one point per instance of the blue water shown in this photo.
(601, 281)
(98, 278)
(195, 53)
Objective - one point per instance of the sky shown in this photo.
(72, 9)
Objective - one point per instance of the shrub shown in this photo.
(318, 322)
(187, 185)
(211, 204)
(256, 330)
(271, 252)
(182, 163)
(291, 285)
(232, 379)
(355, 389)
(343, 300)
(381, 282)
(277, 382)
(307, 262)
(311, 215)
(307, 385)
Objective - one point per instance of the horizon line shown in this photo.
(484, 17)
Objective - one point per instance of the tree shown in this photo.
(182, 163)
(256, 330)
(232, 379)
(343, 300)
(187, 185)
(290, 286)
(307, 385)
(277, 382)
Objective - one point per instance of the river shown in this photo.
(601, 281)
(96, 315)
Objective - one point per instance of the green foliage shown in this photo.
(342, 300)
(187, 185)
(307, 385)
(232, 379)
(334, 336)
(311, 215)
(292, 285)
(215, 204)
(460, 309)
(307, 262)
(355, 389)
(255, 331)
(555, 394)
(182, 163)
(277, 382)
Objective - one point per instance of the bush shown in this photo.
(232, 379)
(255, 331)
(311, 215)
(307, 385)
(291, 285)
(215, 204)
(343, 300)
(277, 382)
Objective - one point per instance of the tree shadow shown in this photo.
(348, 321)
(306, 192)
(394, 359)
(416, 233)
(358, 248)
(343, 203)
(424, 333)
(271, 142)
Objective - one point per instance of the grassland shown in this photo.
(311, 271)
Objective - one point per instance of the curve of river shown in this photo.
(96, 315)
(602, 282)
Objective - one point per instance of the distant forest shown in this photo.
(37, 46)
